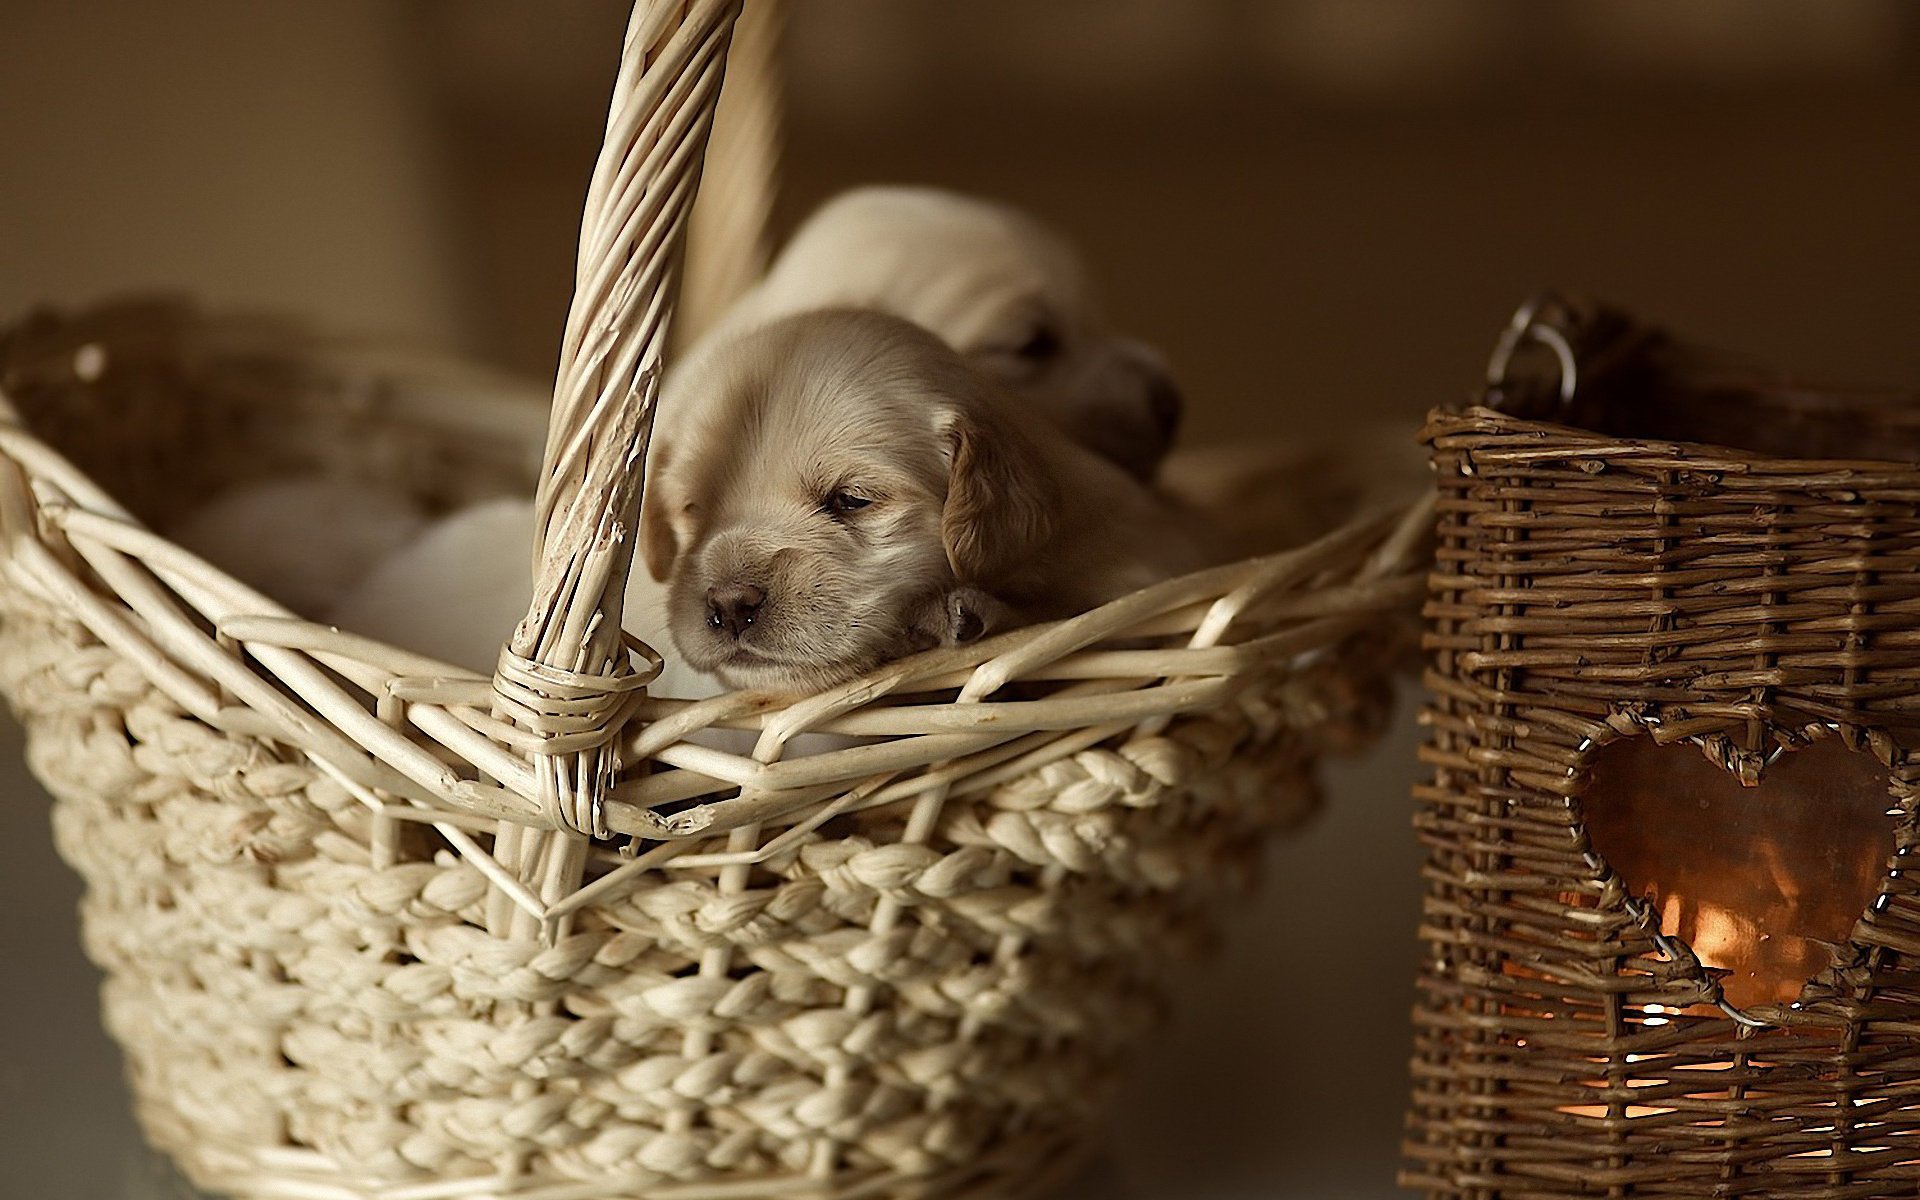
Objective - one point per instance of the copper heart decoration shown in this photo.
(1754, 879)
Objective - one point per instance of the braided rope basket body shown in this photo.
(377, 927)
(1595, 587)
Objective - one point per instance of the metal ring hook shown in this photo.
(1527, 325)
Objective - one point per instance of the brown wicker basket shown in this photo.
(377, 927)
(1586, 1025)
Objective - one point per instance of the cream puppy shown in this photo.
(265, 535)
(833, 490)
(1004, 290)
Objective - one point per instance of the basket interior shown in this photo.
(165, 407)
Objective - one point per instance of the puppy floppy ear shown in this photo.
(1000, 495)
(659, 547)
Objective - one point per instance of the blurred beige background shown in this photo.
(1322, 208)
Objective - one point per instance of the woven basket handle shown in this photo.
(727, 236)
(566, 672)
(1601, 369)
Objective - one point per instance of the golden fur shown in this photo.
(999, 287)
(974, 513)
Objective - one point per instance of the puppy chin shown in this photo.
(745, 672)
(743, 668)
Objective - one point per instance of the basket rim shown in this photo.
(1448, 424)
(1217, 630)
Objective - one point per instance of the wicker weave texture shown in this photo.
(301, 1004)
(1590, 588)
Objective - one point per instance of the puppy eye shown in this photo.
(842, 502)
(1042, 345)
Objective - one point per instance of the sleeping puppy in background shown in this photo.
(264, 535)
(834, 490)
(994, 284)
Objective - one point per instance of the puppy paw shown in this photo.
(958, 616)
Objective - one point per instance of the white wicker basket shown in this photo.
(361, 938)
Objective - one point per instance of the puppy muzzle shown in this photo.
(1138, 409)
(732, 608)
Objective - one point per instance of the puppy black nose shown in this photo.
(1166, 404)
(733, 607)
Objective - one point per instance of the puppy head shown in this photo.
(825, 494)
(999, 287)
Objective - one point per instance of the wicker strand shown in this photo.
(728, 240)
